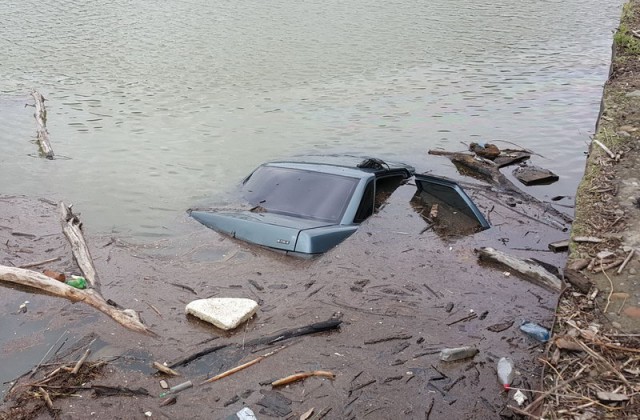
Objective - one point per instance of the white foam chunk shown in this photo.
(225, 313)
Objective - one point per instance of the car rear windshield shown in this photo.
(300, 193)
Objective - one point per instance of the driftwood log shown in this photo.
(490, 172)
(41, 125)
(72, 229)
(529, 269)
(328, 325)
(23, 277)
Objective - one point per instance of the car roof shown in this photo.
(346, 168)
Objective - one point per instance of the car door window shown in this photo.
(366, 205)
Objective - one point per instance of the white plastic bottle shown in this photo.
(506, 372)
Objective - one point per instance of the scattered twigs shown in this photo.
(78, 365)
(626, 261)
(186, 360)
(431, 290)
(398, 336)
(531, 270)
(608, 266)
(46, 397)
(164, 369)
(585, 345)
(303, 375)
(605, 148)
(610, 290)
(466, 318)
(541, 398)
(41, 125)
(36, 264)
(33, 371)
(243, 366)
(72, 229)
(603, 361)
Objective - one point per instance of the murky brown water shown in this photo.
(387, 280)
(156, 107)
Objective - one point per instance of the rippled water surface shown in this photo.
(154, 106)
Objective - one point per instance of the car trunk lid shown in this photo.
(267, 229)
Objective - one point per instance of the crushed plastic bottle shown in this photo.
(450, 355)
(506, 372)
(535, 331)
(77, 281)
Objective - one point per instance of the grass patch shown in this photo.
(625, 41)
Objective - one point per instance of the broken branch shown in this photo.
(41, 125)
(243, 366)
(72, 229)
(303, 375)
(626, 261)
(605, 148)
(164, 369)
(78, 365)
(531, 270)
(127, 317)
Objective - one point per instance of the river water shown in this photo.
(155, 106)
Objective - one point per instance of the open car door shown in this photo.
(444, 192)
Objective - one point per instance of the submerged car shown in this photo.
(306, 207)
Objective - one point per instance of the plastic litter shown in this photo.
(246, 414)
(459, 353)
(506, 372)
(535, 331)
(519, 397)
(177, 388)
(77, 281)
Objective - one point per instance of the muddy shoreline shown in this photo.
(389, 284)
(605, 321)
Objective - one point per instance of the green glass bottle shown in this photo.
(77, 282)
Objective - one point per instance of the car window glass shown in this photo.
(366, 205)
(300, 193)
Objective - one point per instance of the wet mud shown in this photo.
(402, 292)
